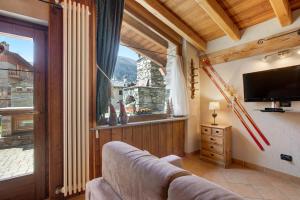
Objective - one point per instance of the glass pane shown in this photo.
(16, 94)
(140, 83)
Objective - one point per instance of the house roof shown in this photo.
(15, 59)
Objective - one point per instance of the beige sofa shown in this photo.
(132, 174)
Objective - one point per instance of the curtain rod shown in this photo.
(56, 4)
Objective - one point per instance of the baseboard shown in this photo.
(197, 152)
(266, 170)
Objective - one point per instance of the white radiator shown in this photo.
(75, 96)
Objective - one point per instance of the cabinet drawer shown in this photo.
(211, 139)
(206, 130)
(217, 132)
(212, 155)
(213, 147)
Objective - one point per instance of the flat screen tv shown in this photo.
(281, 84)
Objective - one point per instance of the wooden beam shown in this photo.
(144, 31)
(220, 17)
(253, 48)
(137, 11)
(174, 22)
(283, 11)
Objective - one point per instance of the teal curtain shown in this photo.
(109, 21)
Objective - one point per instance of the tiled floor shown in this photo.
(251, 184)
(16, 161)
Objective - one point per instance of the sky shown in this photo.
(22, 46)
(25, 48)
(126, 52)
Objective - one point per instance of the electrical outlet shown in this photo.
(286, 157)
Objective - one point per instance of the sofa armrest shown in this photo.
(173, 159)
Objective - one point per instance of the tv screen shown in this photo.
(281, 84)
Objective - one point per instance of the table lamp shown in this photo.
(214, 106)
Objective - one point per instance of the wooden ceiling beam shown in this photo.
(174, 22)
(137, 11)
(155, 57)
(220, 17)
(283, 11)
(278, 43)
(144, 31)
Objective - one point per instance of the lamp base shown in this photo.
(214, 124)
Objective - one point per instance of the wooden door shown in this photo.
(23, 62)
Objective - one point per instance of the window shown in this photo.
(139, 83)
(16, 90)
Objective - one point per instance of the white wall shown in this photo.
(282, 130)
(193, 125)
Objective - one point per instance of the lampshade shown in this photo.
(214, 105)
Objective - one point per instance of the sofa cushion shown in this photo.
(99, 189)
(196, 188)
(136, 174)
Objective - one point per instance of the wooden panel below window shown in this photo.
(160, 139)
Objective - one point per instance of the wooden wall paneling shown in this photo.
(178, 137)
(55, 97)
(127, 135)
(116, 134)
(55, 103)
(96, 156)
(154, 139)
(165, 139)
(40, 132)
(105, 137)
(162, 139)
(147, 138)
(253, 48)
(137, 136)
(92, 80)
(26, 188)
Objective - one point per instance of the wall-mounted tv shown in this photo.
(281, 84)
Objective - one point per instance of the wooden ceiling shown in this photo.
(200, 21)
(143, 40)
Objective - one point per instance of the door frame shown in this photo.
(22, 186)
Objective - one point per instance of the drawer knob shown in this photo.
(205, 129)
(217, 131)
(212, 139)
(211, 154)
(211, 147)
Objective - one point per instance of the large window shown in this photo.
(140, 83)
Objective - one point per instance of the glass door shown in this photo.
(22, 110)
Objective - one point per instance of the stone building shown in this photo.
(16, 88)
(150, 90)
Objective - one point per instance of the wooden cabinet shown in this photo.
(216, 144)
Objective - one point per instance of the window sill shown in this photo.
(140, 123)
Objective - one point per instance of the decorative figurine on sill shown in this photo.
(123, 117)
(113, 119)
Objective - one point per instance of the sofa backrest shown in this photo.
(137, 175)
(196, 188)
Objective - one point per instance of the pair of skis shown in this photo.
(237, 107)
